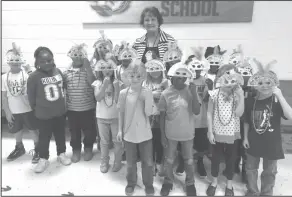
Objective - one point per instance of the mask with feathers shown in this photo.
(173, 53)
(127, 53)
(14, 56)
(78, 51)
(216, 59)
(197, 63)
(103, 43)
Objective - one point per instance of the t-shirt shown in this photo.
(264, 133)
(46, 95)
(202, 90)
(121, 75)
(79, 93)
(136, 127)
(226, 126)
(179, 120)
(16, 91)
(107, 107)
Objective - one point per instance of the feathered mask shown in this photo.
(264, 75)
(198, 62)
(173, 53)
(78, 51)
(216, 59)
(154, 65)
(107, 64)
(14, 56)
(179, 70)
(103, 43)
(127, 53)
(242, 64)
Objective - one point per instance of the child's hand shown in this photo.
(116, 85)
(164, 141)
(277, 92)
(119, 136)
(26, 68)
(157, 94)
(9, 117)
(144, 94)
(211, 138)
(245, 143)
(106, 81)
(86, 63)
(239, 92)
(209, 83)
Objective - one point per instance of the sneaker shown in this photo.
(76, 156)
(211, 190)
(149, 191)
(165, 189)
(16, 153)
(104, 166)
(191, 190)
(129, 190)
(117, 166)
(41, 166)
(229, 192)
(201, 168)
(63, 159)
(88, 154)
(35, 156)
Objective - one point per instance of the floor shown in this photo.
(84, 178)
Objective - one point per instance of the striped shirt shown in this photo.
(79, 93)
(141, 44)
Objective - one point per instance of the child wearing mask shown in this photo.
(225, 107)
(46, 97)
(178, 105)
(106, 90)
(15, 103)
(262, 129)
(196, 64)
(135, 107)
(80, 103)
(157, 83)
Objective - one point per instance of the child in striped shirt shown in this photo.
(80, 103)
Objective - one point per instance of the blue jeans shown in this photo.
(146, 155)
(187, 154)
(268, 175)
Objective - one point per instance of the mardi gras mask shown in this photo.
(198, 62)
(154, 66)
(229, 80)
(216, 59)
(127, 53)
(179, 70)
(103, 44)
(264, 78)
(173, 53)
(14, 56)
(77, 51)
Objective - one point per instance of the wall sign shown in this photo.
(206, 11)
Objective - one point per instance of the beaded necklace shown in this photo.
(253, 115)
(21, 82)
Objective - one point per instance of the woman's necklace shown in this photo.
(218, 111)
(11, 89)
(260, 131)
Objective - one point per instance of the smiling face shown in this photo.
(14, 61)
(150, 22)
(45, 61)
(265, 86)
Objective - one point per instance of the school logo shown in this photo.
(109, 8)
(262, 120)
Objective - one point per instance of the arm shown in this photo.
(121, 108)
(116, 85)
(148, 102)
(31, 91)
(121, 121)
(162, 123)
(210, 116)
(90, 76)
(240, 107)
(287, 110)
(196, 106)
(99, 91)
(246, 129)
(5, 103)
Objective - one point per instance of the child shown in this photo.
(15, 103)
(106, 90)
(125, 56)
(46, 98)
(80, 103)
(172, 56)
(177, 107)
(225, 108)
(262, 130)
(156, 82)
(135, 107)
(196, 65)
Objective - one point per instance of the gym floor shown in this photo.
(84, 178)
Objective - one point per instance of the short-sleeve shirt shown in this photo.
(79, 93)
(136, 126)
(107, 107)
(226, 126)
(179, 120)
(16, 87)
(264, 133)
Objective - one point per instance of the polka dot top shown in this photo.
(226, 126)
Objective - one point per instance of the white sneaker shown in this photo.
(41, 166)
(63, 159)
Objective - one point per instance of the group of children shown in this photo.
(153, 114)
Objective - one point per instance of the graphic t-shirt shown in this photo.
(264, 134)
(16, 87)
(152, 52)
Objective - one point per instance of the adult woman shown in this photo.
(155, 41)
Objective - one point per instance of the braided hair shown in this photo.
(38, 51)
